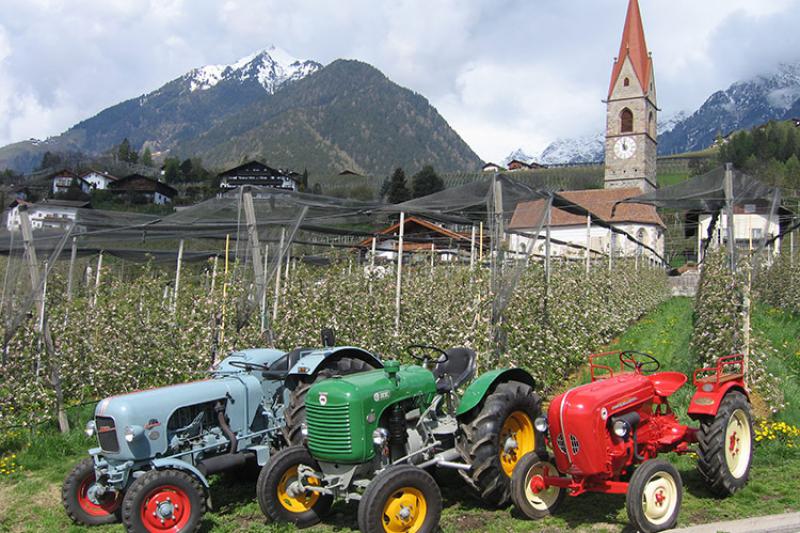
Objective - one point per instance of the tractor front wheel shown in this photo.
(725, 448)
(163, 500)
(495, 437)
(80, 499)
(282, 497)
(295, 411)
(528, 491)
(654, 496)
(400, 499)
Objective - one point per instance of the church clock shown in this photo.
(625, 147)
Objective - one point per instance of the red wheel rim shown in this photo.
(107, 506)
(166, 508)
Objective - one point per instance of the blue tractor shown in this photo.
(158, 447)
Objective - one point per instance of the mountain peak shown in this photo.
(270, 67)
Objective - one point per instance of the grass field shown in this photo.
(30, 498)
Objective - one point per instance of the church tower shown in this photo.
(631, 139)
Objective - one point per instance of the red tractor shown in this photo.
(605, 437)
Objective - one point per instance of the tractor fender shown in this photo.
(707, 403)
(486, 383)
(177, 464)
(316, 360)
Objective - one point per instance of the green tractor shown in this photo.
(377, 437)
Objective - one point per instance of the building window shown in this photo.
(756, 233)
(749, 208)
(626, 121)
(626, 82)
(651, 124)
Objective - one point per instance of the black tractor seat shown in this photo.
(458, 369)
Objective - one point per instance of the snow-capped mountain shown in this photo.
(271, 67)
(744, 104)
(585, 149)
(518, 155)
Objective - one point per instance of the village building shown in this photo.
(492, 167)
(575, 232)
(259, 174)
(98, 180)
(420, 235)
(516, 164)
(62, 180)
(143, 189)
(48, 214)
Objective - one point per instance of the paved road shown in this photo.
(781, 523)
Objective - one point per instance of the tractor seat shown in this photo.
(457, 370)
(666, 383)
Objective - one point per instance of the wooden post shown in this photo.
(480, 245)
(278, 277)
(177, 277)
(472, 248)
(70, 273)
(213, 276)
(791, 247)
(728, 185)
(699, 240)
(372, 254)
(255, 245)
(611, 243)
(399, 273)
(264, 291)
(288, 264)
(33, 261)
(433, 252)
(225, 288)
(548, 216)
(588, 242)
(98, 275)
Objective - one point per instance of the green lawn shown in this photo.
(30, 500)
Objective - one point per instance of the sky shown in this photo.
(505, 74)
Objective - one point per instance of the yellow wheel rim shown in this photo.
(404, 511)
(737, 444)
(659, 498)
(296, 503)
(516, 439)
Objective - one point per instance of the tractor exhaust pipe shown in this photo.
(227, 461)
(226, 429)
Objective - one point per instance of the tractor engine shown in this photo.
(351, 419)
(595, 428)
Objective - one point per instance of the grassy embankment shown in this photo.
(30, 498)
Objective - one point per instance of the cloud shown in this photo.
(504, 73)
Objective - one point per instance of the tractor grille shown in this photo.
(560, 443)
(329, 431)
(107, 434)
(574, 444)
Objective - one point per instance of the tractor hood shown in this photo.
(578, 419)
(149, 413)
(342, 412)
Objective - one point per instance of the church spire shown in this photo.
(634, 47)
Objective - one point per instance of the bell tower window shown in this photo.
(626, 82)
(626, 121)
(651, 124)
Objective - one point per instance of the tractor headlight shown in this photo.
(621, 428)
(379, 437)
(131, 432)
(540, 424)
(304, 430)
(90, 428)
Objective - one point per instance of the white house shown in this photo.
(62, 180)
(48, 214)
(256, 173)
(98, 180)
(639, 221)
(751, 223)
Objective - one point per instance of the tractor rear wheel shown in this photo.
(163, 500)
(725, 449)
(400, 499)
(279, 495)
(495, 437)
(295, 412)
(528, 491)
(654, 496)
(80, 502)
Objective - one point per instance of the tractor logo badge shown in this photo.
(604, 413)
(381, 395)
(323, 398)
(624, 403)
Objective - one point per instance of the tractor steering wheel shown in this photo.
(629, 359)
(244, 365)
(424, 359)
